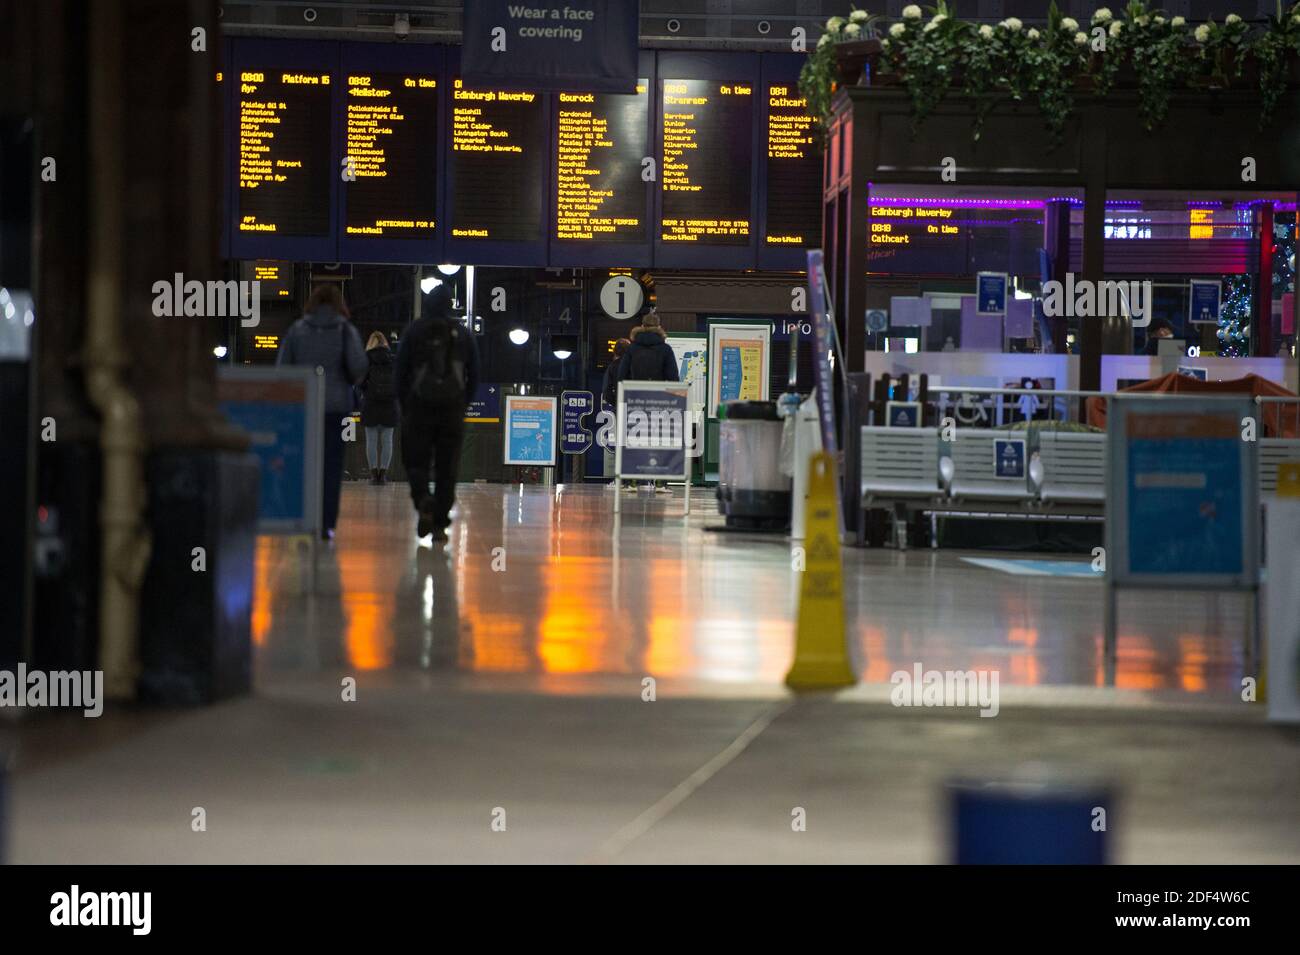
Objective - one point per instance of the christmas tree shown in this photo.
(1234, 318)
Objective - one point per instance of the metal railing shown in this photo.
(1001, 407)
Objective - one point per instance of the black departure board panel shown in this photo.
(601, 140)
(707, 173)
(499, 165)
(284, 165)
(390, 140)
(793, 210)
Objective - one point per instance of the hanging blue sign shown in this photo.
(575, 46)
(991, 293)
(574, 406)
(485, 406)
(1204, 302)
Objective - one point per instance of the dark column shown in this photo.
(1056, 240)
(861, 160)
(1263, 319)
(1090, 329)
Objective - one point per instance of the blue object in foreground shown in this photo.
(1029, 823)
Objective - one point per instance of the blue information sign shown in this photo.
(655, 430)
(588, 45)
(485, 406)
(1204, 307)
(280, 408)
(903, 414)
(1009, 457)
(991, 293)
(530, 430)
(1185, 508)
(574, 406)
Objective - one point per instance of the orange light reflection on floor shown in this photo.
(575, 623)
(262, 591)
(1024, 666)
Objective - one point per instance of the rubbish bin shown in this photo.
(752, 491)
(1034, 815)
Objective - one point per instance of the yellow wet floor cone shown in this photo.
(821, 657)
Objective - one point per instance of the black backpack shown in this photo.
(380, 384)
(439, 377)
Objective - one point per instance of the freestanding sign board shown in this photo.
(1282, 520)
(574, 406)
(530, 430)
(281, 408)
(654, 428)
(737, 363)
(1182, 500)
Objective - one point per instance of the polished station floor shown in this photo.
(500, 710)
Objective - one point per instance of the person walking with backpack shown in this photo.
(379, 412)
(436, 374)
(324, 339)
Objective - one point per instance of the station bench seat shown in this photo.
(899, 464)
(974, 477)
(1073, 468)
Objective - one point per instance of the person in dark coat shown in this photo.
(437, 374)
(324, 339)
(649, 358)
(379, 412)
(609, 385)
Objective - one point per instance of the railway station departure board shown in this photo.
(793, 213)
(390, 147)
(498, 164)
(707, 172)
(284, 168)
(601, 140)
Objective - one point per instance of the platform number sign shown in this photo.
(621, 297)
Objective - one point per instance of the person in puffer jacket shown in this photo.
(324, 338)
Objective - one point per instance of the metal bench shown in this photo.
(1073, 470)
(899, 472)
(899, 463)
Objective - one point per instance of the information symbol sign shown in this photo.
(621, 297)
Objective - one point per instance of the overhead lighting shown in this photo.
(219, 351)
(449, 269)
(519, 335)
(429, 283)
(562, 353)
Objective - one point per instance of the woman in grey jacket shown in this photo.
(324, 338)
